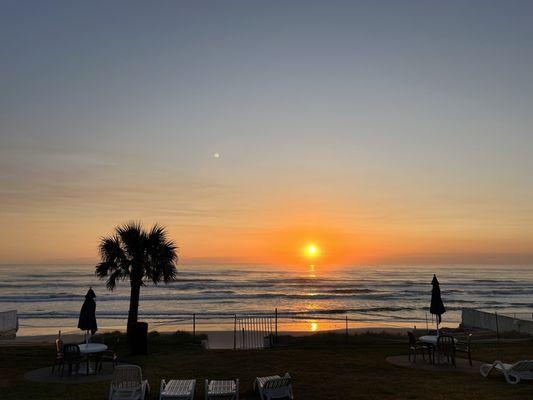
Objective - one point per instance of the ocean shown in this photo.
(49, 297)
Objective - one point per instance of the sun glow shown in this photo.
(313, 327)
(311, 251)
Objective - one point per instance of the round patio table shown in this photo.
(88, 349)
(431, 339)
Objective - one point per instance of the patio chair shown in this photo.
(416, 347)
(177, 389)
(464, 347)
(72, 358)
(108, 356)
(445, 348)
(128, 384)
(514, 373)
(274, 387)
(222, 389)
(60, 357)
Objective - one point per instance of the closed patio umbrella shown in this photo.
(87, 320)
(437, 306)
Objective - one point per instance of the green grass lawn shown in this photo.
(322, 366)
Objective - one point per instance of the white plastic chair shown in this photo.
(514, 373)
(177, 389)
(128, 384)
(274, 387)
(222, 389)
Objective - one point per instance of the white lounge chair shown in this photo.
(177, 389)
(128, 383)
(226, 389)
(514, 373)
(274, 387)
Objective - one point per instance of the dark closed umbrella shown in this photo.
(87, 321)
(437, 306)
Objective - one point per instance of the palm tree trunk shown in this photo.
(134, 307)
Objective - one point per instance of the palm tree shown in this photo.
(134, 254)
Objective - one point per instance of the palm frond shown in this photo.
(162, 254)
(137, 254)
(114, 262)
(111, 254)
(133, 238)
(116, 275)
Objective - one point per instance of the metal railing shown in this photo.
(254, 332)
(249, 330)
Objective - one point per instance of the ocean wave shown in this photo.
(234, 295)
(214, 314)
(334, 285)
(350, 291)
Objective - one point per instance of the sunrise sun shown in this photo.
(311, 251)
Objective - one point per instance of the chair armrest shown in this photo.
(162, 387)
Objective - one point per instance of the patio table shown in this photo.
(90, 348)
(431, 339)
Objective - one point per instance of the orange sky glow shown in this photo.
(271, 237)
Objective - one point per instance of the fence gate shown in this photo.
(252, 332)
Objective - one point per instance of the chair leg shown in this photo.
(58, 366)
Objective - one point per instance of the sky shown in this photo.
(380, 131)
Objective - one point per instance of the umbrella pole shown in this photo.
(86, 338)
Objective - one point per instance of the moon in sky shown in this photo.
(216, 155)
